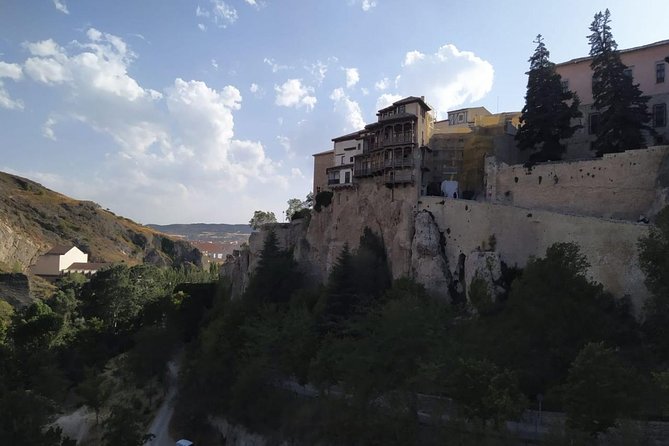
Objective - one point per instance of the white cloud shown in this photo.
(10, 70)
(383, 84)
(7, 102)
(219, 13)
(318, 71)
(387, 99)
(367, 4)
(202, 27)
(214, 64)
(352, 77)
(293, 94)
(178, 147)
(413, 57)
(275, 66)
(364, 91)
(61, 6)
(447, 78)
(255, 3)
(47, 129)
(254, 88)
(285, 142)
(101, 65)
(349, 109)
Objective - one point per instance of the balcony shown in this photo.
(399, 177)
(398, 163)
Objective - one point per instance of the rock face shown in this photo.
(15, 246)
(15, 289)
(486, 266)
(428, 262)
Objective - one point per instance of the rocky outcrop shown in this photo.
(428, 262)
(15, 290)
(487, 267)
(16, 247)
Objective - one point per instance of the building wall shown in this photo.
(610, 246)
(619, 185)
(321, 162)
(642, 61)
(74, 255)
(47, 266)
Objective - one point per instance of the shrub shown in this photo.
(323, 200)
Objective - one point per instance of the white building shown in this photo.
(58, 259)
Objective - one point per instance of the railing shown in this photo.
(402, 162)
(399, 177)
(333, 181)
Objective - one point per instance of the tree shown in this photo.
(548, 111)
(94, 390)
(484, 392)
(261, 218)
(654, 261)
(598, 390)
(123, 427)
(623, 109)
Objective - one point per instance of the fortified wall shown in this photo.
(520, 233)
(619, 185)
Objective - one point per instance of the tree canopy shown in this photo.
(623, 110)
(548, 111)
(261, 218)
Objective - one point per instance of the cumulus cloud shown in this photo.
(348, 109)
(383, 84)
(447, 78)
(61, 6)
(293, 94)
(177, 147)
(14, 72)
(218, 12)
(366, 5)
(100, 65)
(352, 77)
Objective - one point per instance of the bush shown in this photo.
(323, 200)
(302, 213)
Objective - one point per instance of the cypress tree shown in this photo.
(547, 114)
(623, 109)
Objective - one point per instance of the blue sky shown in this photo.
(178, 111)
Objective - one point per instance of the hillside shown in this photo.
(34, 218)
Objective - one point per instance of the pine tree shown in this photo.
(547, 114)
(623, 109)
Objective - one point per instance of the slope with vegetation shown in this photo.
(34, 218)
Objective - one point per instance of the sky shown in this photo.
(184, 111)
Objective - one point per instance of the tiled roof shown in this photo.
(59, 250)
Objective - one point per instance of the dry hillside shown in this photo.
(34, 218)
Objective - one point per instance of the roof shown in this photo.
(349, 136)
(627, 50)
(327, 152)
(59, 250)
(407, 100)
(393, 118)
(86, 266)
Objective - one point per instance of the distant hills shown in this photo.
(210, 232)
(33, 219)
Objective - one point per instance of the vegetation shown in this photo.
(548, 111)
(261, 218)
(102, 342)
(623, 109)
(298, 208)
(323, 200)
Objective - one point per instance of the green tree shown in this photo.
(123, 427)
(654, 261)
(484, 392)
(94, 391)
(276, 277)
(6, 312)
(548, 111)
(623, 109)
(599, 389)
(23, 417)
(295, 205)
(261, 218)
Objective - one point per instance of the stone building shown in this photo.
(322, 161)
(647, 65)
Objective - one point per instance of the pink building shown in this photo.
(647, 64)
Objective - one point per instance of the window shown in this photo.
(659, 72)
(565, 85)
(401, 109)
(347, 177)
(628, 72)
(593, 123)
(660, 115)
(351, 160)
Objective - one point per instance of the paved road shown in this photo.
(160, 424)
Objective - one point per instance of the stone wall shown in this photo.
(610, 246)
(620, 185)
